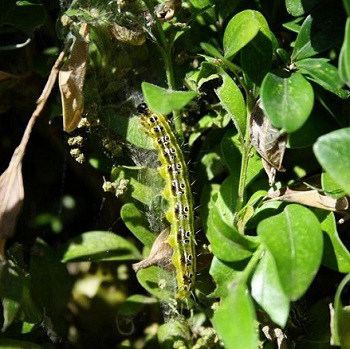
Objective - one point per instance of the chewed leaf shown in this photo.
(164, 101)
(99, 246)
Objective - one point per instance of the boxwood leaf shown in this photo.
(225, 241)
(223, 274)
(241, 29)
(18, 344)
(256, 56)
(341, 319)
(344, 56)
(268, 292)
(331, 187)
(287, 100)
(335, 254)
(299, 7)
(137, 224)
(321, 30)
(99, 246)
(164, 101)
(235, 320)
(134, 304)
(294, 238)
(324, 74)
(332, 151)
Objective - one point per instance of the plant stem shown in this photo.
(165, 48)
(252, 262)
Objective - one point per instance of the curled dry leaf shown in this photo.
(309, 193)
(268, 141)
(71, 81)
(134, 37)
(167, 9)
(160, 254)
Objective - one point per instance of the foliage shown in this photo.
(268, 264)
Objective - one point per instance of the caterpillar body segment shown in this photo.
(177, 192)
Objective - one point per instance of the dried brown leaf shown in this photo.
(268, 142)
(135, 37)
(71, 81)
(160, 254)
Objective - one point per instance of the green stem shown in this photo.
(252, 263)
(165, 48)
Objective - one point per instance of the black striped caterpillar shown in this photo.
(178, 194)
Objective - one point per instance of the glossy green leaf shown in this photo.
(268, 292)
(323, 73)
(165, 101)
(332, 151)
(150, 278)
(227, 199)
(228, 93)
(287, 100)
(321, 30)
(344, 56)
(18, 344)
(256, 56)
(225, 241)
(299, 7)
(134, 304)
(137, 224)
(294, 239)
(211, 50)
(207, 202)
(224, 273)
(331, 187)
(341, 320)
(144, 182)
(99, 246)
(235, 320)
(240, 30)
(335, 254)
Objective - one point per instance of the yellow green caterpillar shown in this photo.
(178, 194)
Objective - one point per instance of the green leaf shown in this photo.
(299, 7)
(341, 319)
(211, 50)
(225, 241)
(321, 30)
(137, 224)
(288, 237)
(287, 100)
(134, 304)
(268, 292)
(346, 4)
(332, 151)
(235, 320)
(323, 74)
(240, 30)
(99, 246)
(11, 289)
(144, 185)
(18, 344)
(163, 101)
(256, 56)
(228, 93)
(152, 277)
(335, 254)
(227, 198)
(331, 187)
(344, 56)
(207, 201)
(223, 274)
(51, 287)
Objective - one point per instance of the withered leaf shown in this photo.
(71, 81)
(268, 142)
(135, 37)
(309, 193)
(160, 254)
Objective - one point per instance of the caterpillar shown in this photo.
(178, 194)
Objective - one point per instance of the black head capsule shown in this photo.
(142, 108)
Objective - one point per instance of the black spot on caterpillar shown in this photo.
(178, 194)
